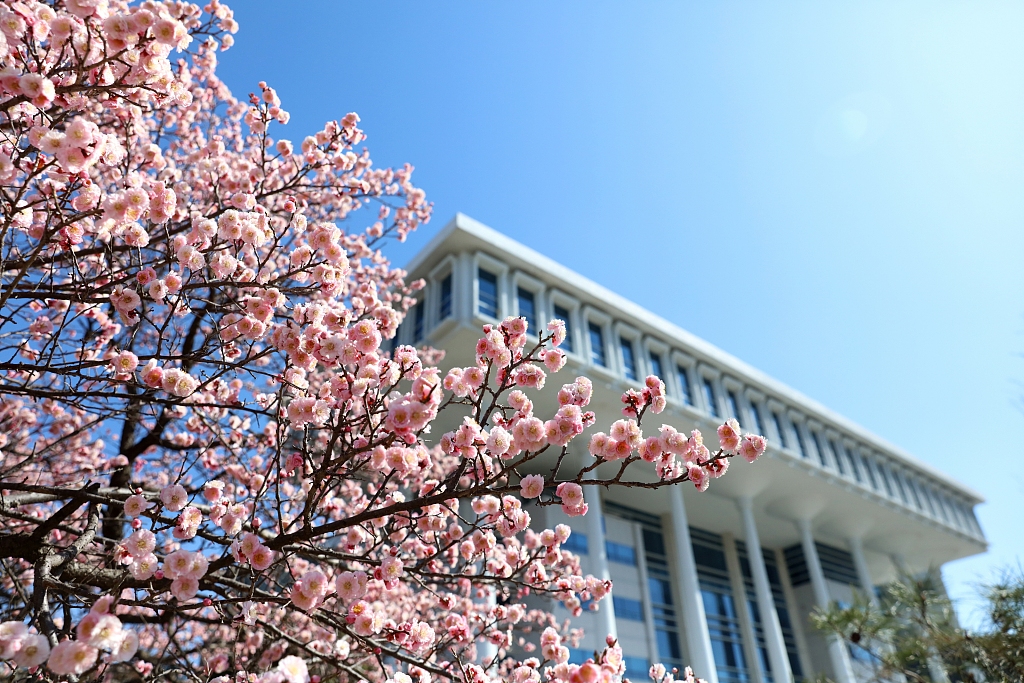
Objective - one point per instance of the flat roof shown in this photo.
(586, 288)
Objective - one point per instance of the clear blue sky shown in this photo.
(830, 191)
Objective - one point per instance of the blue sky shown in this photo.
(829, 191)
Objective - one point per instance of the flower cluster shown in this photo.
(218, 465)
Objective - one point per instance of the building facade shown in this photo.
(725, 580)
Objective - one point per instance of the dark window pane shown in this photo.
(818, 447)
(527, 308)
(563, 315)
(597, 355)
(617, 552)
(628, 361)
(576, 543)
(419, 318)
(710, 399)
(684, 385)
(777, 419)
(837, 455)
(734, 405)
(800, 445)
(755, 414)
(487, 293)
(656, 365)
(446, 297)
(627, 608)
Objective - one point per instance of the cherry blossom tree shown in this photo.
(214, 462)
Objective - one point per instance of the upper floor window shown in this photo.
(684, 385)
(710, 399)
(527, 308)
(446, 297)
(734, 405)
(838, 456)
(780, 429)
(656, 365)
(419, 320)
(628, 359)
(563, 315)
(618, 552)
(597, 354)
(755, 415)
(821, 449)
(487, 293)
(800, 445)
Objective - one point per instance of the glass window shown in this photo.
(563, 315)
(527, 308)
(800, 445)
(710, 400)
(627, 608)
(487, 293)
(838, 456)
(656, 365)
(637, 668)
(865, 466)
(684, 385)
(617, 552)
(780, 429)
(734, 405)
(577, 543)
(822, 458)
(628, 360)
(446, 297)
(855, 465)
(597, 356)
(419, 318)
(755, 415)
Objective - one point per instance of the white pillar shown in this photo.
(698, 639)
(485, 649)
(645, 591)
(774, 642)
(841, 666)
(599, 558)
(863, 574)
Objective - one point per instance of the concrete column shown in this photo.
(599, 557)
(746, 619)
(645, 591)
(778, 658)
(486, 650)
(698, 639)
(863, 574)
(842, 669)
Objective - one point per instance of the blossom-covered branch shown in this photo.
(215, 462)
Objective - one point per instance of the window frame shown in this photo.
(445, 268)
(499, 269)
(603, 321)
(678, 360)
(520, 280)
(627, 333)
(572, 307)
(710, 377)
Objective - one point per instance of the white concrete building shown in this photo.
(830, 508)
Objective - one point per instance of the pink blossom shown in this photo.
(752, 447)
(34, 650)
(699, 476)
(729, 436)
(293, 669)
(532, 486)
(71, 657)
(174, 497)
(261, 558)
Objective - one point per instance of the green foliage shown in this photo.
(911, 633)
